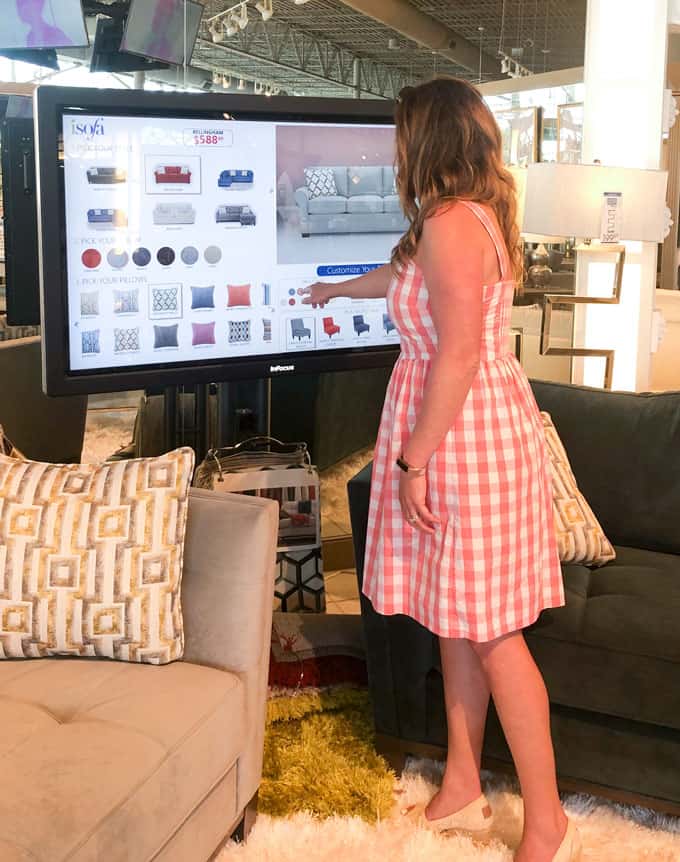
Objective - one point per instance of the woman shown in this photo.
(461, 534)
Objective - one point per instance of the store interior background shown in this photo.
(325, 48)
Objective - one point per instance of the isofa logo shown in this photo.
(88, 129)
(276, 368)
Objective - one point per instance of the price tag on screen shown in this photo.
(206, 137)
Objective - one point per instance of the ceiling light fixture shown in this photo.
(216, 30)
(300, 2)
(241, 84)
(242, 17)
(265, 8)
(232, 26)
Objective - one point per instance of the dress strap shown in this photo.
(495, 234)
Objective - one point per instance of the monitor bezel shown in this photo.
(186, 61)
(85, 44)
(50, 105)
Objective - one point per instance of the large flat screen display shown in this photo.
(42, 24)
(188, 241)
(156, 29)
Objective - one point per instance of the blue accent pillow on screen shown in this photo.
(202, 297)
(165, 336)
(90, 341)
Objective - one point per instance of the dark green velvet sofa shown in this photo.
(611, 656)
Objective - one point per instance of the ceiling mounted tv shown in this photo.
(178, 233)
(31, 24)
(106, 51)
(156, 29)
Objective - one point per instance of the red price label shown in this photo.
(205, 138)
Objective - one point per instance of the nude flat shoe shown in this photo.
(570, 848)
(474, 820)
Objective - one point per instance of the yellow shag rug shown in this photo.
(327, 797)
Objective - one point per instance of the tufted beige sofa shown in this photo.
(104, 761)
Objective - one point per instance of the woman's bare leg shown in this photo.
(521, 701)
(467, 701)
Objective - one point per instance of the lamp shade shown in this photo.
(566, 200)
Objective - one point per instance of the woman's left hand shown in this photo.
(413, 500)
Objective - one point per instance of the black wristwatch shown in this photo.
(408, 468)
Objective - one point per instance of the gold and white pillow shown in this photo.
(91, 558)
(580, 537)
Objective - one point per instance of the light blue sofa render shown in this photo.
(366, 203)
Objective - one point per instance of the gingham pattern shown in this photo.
(492, 565)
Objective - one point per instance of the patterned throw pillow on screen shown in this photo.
(202, 297)
(126, 301)
(126, 340)
(580, 537)
(166, 300)
(93, 558)
(239, 331)
(238, 295)
(89, 339)
(89, 304)
(165, 336)
(320, 182)
(202, 334)
(267, 329)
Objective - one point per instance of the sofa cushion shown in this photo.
(328, 205)
(106, 760)
(91, 557)
(614, 647)
(622, 447)
(365, 204)
(365, 181)
(392, 204)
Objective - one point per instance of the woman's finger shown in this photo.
(427, 516)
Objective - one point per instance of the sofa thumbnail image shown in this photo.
(174, 213)
(172, 175)
(240, 214)
(239, 178)
(106, 176)
(348, 199)
(106, 218)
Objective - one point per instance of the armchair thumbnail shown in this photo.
(388, 324)
(299, 329)
(360, 324)
(330, 327)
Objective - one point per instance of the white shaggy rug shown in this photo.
(610, 832)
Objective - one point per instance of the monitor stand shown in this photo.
(221, 414)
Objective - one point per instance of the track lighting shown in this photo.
(216, 30)
(258, 88)
(226, 82)
(242, 17)
(265, 8)
(300, 2)
(241, 84)
(232, 26)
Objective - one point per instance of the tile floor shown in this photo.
(342, 592)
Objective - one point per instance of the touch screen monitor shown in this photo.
(156, 29)
(42, 24)
(183, 215)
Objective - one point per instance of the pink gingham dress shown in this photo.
(492, 565)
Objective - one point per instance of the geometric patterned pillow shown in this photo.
(580, 537)
(320, 182)
(91, 558)
(126, 340)
(166, 301)
(239, 331)
(89, 341)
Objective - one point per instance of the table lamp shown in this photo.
(603, 206)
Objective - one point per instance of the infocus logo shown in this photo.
(274, 368)
(88, 130)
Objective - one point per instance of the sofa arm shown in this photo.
(228, 579)
(302, 200)
(227, 603)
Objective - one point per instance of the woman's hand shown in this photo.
(317, 294)
(412, 497)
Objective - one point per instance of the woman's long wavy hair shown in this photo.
(449, 149)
